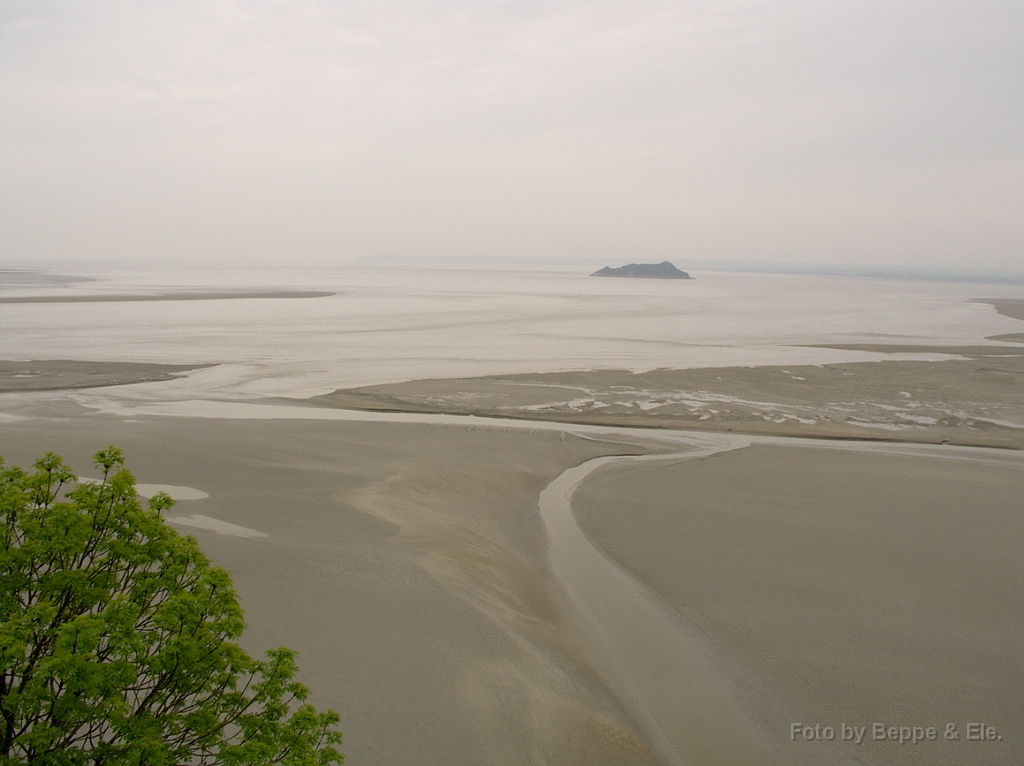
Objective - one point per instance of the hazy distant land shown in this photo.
(911, 273)
(184, 295)
(37, 278)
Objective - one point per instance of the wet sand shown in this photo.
(1009, 307)
(976, 400)
(405, 563)
(63, 374)
(1010, 337)
(409, 566)
(862, 588)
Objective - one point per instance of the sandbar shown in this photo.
(975, 400)
(1010, 337)
(1009, 307)
(60, 374)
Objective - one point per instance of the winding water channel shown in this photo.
(695, 704)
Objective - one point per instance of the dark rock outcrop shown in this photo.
(663, 270)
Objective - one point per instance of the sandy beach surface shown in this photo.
(862, 588)
(405, 563)
(408, 565)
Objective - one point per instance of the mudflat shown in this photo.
(1010, 337)
(1010, 307)
(976, 400)
(863, 588)
(54, 375)
(406, 563)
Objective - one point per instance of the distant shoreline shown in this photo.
(586, 263)
(183, 296)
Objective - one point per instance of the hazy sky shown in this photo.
(873, 132)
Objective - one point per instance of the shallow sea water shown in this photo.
(394, 324)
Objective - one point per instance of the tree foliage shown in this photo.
(117, 638)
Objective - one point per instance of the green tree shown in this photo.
(117, 638)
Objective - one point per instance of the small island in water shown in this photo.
(663, 270)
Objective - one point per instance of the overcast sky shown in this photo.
(318, 132)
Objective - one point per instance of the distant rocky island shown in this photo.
(663, 270)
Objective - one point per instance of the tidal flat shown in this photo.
(818, 530)
(969, 395)
(407, 563)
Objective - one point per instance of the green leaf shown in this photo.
(118, 638)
